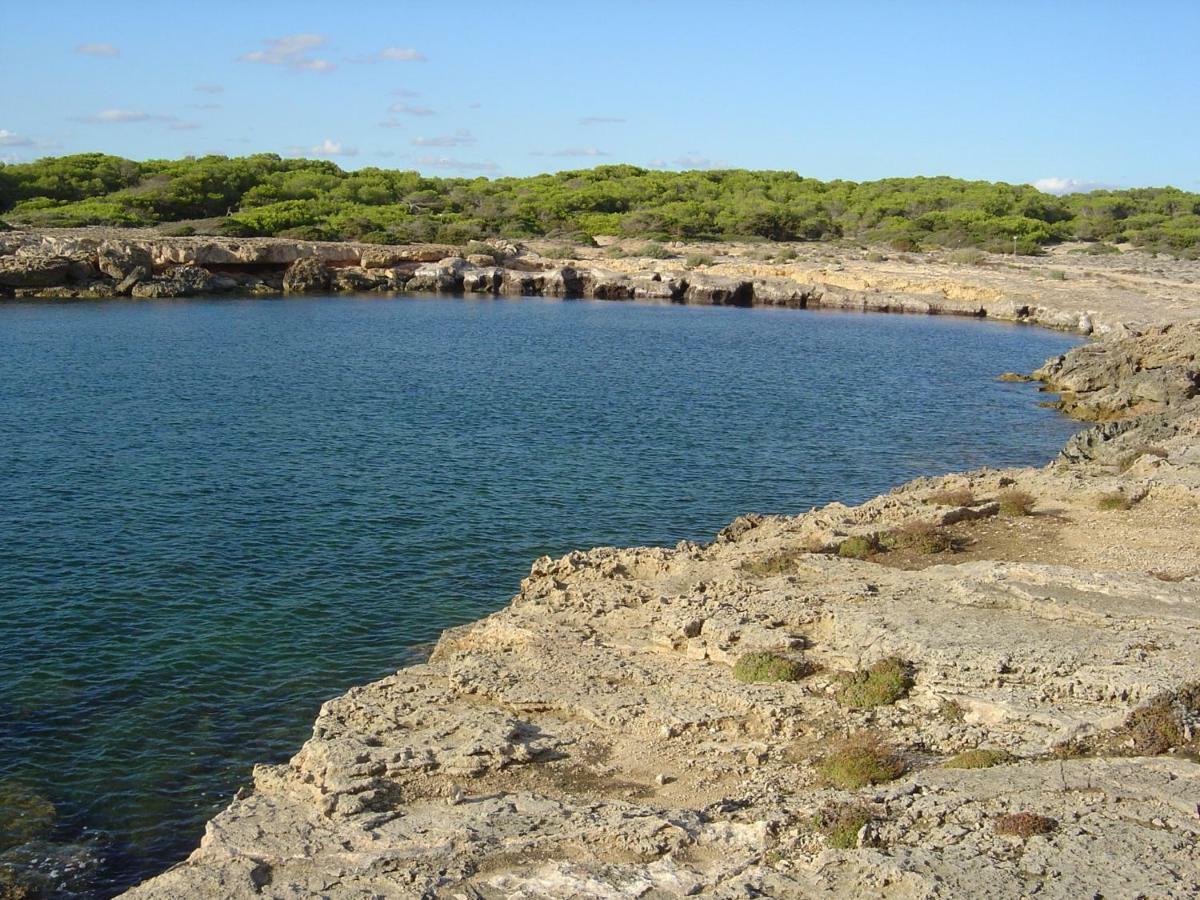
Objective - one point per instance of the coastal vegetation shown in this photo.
(882, 684)
(858, 760)
(265, 194)
(752, 668)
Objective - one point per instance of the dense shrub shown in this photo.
(841, 823)
(907, 213)
(859, 760)
(881, 684)
(753, 668)
(1024, 824)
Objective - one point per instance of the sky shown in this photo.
(1066, 95)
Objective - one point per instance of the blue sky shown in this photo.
(1088, 93)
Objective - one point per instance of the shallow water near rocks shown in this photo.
(214, 515)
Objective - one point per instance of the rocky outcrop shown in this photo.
(111, 263)
(33, 271)
(306, 275)
(1112, 379)
(597, 737)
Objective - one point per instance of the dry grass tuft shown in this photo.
(1114, 500)
(1015, 503)
(1024, 824)
(960, 496)
(923, 537)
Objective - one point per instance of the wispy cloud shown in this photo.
(411, 109)
(92, 49)
(293, 52)
(687, 161)
(401, 54)
(460, 138)
(210, 88)
(329, 147)
(389, 54)
(444, 162)
(1062, 186)
(601, 120)
(8, 139)
(571, 152)
(123, 117)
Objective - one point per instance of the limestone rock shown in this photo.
(33, 271)
(306, 275)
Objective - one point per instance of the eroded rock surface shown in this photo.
(591, 739)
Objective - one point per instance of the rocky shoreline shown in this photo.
(978, 685)
(97, 264)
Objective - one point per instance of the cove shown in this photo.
(216, 514)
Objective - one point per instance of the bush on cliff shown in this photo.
(753, 668)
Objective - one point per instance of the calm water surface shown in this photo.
(215, 515)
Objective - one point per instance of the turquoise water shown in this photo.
(215, 515)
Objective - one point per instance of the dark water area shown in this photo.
(214, 515)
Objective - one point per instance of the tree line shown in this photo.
(267, 195)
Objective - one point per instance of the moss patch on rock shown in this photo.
(978, 759)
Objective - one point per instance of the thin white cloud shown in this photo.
(687, 161)
(93, 49)
(601, 120)
(574, 152)
(460, 138)
(329, 147)
(411, 109)
(401, 54)
(210, 88)
(123, 117)
(391, 122)
(1062, 186)
(10, 158)
(444, 162)
(293, 52)
(8, 139)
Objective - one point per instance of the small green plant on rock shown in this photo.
(1115, 500)
(1016, 503)
(560, 252)
(882, 684)
(841, 823)
(968, 256)
(977, 759)
(1127, 461)
(856, 547)
(654, 251)
(859, 760)
(698, 259)
(755, 668)
(1024, 824)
